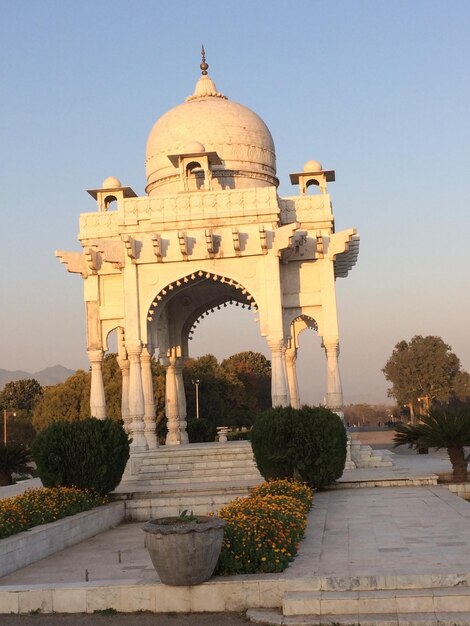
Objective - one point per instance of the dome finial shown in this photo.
(204, 66)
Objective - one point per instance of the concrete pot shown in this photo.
(184, 552)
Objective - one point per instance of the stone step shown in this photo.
(188, 464)
(164, 500)
(275, 617)
(398, 601)
(197, 449)
(189, 480)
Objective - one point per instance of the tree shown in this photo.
(216, 389)
(68, 401)
(445, 427)
(20, 395)
(253, 371)
(366, 414)
(422, 371)
(462, 385)
(251, 362)
(18, 399)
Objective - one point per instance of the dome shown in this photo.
(239, 136)
(313, 166)
(111, 183)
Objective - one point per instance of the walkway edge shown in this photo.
(32, 545)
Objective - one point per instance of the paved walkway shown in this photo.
(376, 538)
(351, 532)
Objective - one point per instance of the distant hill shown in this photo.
(47, 376)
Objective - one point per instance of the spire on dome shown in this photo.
(204, 66)
(205, 86)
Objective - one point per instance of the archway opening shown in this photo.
(311, 368)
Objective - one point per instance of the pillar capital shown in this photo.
(124, 364)
(276, 344)
(331, 346)
(134, 349)
(291, 355)
(95, 356)
(146, 354)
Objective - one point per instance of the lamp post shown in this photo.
(5, 415)
(196, 384)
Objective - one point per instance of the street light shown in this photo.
(196, 384)
(5, 415)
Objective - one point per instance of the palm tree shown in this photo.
(14, 458)
(445, 427)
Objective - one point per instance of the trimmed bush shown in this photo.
(87, 454)
(201, 430)
(307, 444)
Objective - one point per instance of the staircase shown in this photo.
(364, 456)
(386, 607)
(199, 477)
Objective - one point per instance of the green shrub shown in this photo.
(87, 454)
(14, 458)
(307, 444)
(200, 430)
(264, 530)
(41, 506)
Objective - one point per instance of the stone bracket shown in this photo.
(130, 246)
(75, 262)
(263, 239)
(183, 242)
(157, 246)
(236, 241)
(112, 251)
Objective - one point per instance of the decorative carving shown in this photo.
(98, 225)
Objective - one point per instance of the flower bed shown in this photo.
(41, 506)
(264, 530)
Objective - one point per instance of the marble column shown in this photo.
(291, 358)
(181, 400)
(334, 395)
(136, 399)
(97, 399)
(124, 366)
(173, 437)
(149, 398)
(279, 386)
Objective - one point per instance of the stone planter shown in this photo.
(184, 552)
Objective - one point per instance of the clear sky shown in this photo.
(377, 90)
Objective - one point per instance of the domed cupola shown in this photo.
(209, 142)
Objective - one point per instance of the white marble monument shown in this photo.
(210, 230)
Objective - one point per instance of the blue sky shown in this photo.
(376, 90)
